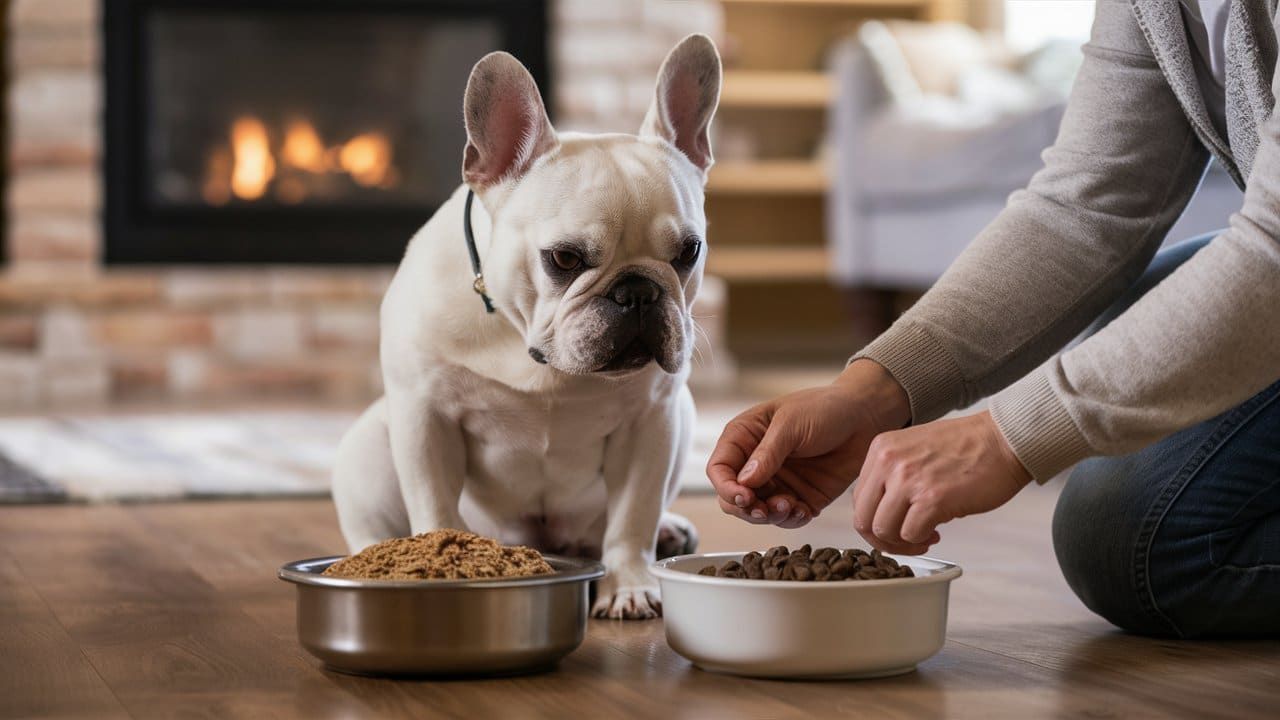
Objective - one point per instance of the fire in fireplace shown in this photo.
(292, 165)
(294, 131)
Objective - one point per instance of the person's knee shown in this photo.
(1096, 535)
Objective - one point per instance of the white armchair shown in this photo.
(933, 127)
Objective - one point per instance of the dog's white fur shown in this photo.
(474, 433)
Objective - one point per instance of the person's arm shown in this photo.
(1202, 341)
(1123, 167)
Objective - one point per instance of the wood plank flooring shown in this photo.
(173, 610)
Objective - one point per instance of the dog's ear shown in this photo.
(686, 98)
(507, 125)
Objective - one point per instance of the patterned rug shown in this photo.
(168, 456)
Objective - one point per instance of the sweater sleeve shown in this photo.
(1202, 341)
(1123, 167)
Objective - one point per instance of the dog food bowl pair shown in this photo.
(442, 627)
(788, 629)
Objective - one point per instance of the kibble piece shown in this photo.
(772, 573)
(805, 551)
(729, 568)
(802, 573)
(774, 552)
(821, 571)
(708, 570)
(842, 569)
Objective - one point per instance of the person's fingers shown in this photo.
(758, 518)
(886, 524)
(799, 517)
(919, 527)
(780, 506)
(738, 439)
(725, 481)
(778, 442)
(867, 491)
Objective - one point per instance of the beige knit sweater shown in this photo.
(1128, 157)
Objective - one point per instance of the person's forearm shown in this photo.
(1125, 164)
(885, 395)
(1202, 341)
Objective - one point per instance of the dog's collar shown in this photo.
(478, 283)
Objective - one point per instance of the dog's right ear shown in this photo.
(507, 124)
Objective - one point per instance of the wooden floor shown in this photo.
(173, 610)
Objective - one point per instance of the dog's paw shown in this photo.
(628, 603)
(676, 536)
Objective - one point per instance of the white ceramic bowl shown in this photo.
(772, 628)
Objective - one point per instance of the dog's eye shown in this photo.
(566, 260)
(689, 254)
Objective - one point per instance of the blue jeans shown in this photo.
(1182, 538)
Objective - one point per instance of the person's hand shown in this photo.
(783, 461)
(915, 479)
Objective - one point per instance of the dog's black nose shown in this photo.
(635, 290)
(537, 356)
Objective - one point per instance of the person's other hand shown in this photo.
(783, 461)
(915, 479)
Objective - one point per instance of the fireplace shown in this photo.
(290, 131)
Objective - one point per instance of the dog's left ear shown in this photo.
(686, 98)
(507, 125)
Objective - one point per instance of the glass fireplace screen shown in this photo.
(323, 109)
(291, 131)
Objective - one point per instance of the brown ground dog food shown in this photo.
(803, 564)
(441, 555)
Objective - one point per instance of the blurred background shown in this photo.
(205, 199)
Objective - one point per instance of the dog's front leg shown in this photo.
(639, 463)
(429, 454)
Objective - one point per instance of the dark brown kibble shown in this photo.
(807, 565)
(729, 568)
(826, 555)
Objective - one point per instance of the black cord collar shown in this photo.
(478, 283)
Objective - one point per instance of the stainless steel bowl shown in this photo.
(442, 627)
(771, 628)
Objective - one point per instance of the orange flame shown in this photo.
(253, 165)
(303, 147)
(367, 158)
(299, 167)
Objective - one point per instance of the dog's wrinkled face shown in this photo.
(613, 239)
(598, 240)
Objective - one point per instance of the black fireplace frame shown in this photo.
(137, 233)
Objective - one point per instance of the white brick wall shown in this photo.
(606, 54)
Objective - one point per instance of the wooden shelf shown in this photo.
(768, 177)
(743, 88)
(768, 264)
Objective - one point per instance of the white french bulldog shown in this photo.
(561, 419)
